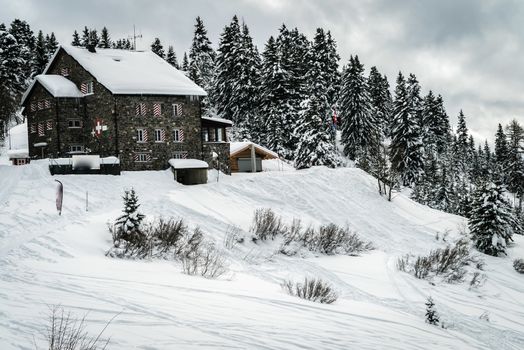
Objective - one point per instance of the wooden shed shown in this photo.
(247, 156)
(189, 171)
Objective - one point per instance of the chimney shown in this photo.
(91, 48)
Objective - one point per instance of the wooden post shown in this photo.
(253, 159)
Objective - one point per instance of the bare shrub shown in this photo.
(232, 237)
(167, 233)
(314, 289)
(206, 261)
(332, 239)
(450, 262)
(518, 265)
(68, 332)
(477, 280)
(266, 225)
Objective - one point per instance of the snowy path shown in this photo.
(47, 259)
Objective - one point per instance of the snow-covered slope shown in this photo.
(48, 259)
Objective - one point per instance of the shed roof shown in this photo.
(188, 164)
(237, 147)
(133, 72)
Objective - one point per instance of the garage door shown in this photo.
(244, 164)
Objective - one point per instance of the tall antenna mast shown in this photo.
(135, 36)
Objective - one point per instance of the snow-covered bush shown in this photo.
(207, 261)
(518, 264)
(313, 289)
(266, 225)
(327, 239)
(449, 262)
(68, 332)
(432, 316)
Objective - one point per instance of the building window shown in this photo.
(141, 135)
(41, 130)
(49, 125)
(40, 105)
(180, 155)
(142, 157)
(205, 135)
(76, 149)
(141, 109)
(160, 135)
(33, 106)
(177, 109)
(32, 128)
(65, 71)
(157, 109)
(47, 104)
(20, 161)
(74, 123)
(212, 134)
(193, 98)
(220, 133)
(178, 135)
(87, 88)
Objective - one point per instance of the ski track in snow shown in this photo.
(47, 259)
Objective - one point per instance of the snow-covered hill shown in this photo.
(46, 259)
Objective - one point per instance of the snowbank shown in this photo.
(188, 164)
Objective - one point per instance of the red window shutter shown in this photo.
(47, 103)
(137, 109)
(143, 109)
(41, 131)
(181, 135)
(83, 88)
(145, 135)
(40, 105)
(33, 107)
(157, 109)
(32, 128)
(163, 135)
(49, 125)
(136, 157)
(148, 157)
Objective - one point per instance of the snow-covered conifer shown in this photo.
(171, 57)
(157, 47)
(432, 316)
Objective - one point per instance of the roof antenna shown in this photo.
(134, 37)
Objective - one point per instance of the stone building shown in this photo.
(122, 103)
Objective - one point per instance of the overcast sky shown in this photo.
(470, 51)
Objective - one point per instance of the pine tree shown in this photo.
(435, 125)
(41, 56)
(414, 99)
(360, 128)
(432, 316)
(51, 45)
(105, 40)
(185, 63)
(94, 39)
(315, 146)
(380, 99)
(406, 145)
(515, 158)
(76, 39)
(491, 222)
(202, 61)
(462, 147)
(157, 48)
(85, 37)
(129, 223)
(11, 73)
(26, 41)
(171, 57)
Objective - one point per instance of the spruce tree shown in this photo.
(202, 61)
(41, 56)
(432, 316)
(51, 45)
(406, 144)
(11, 73)
(157, 47)
(515, 158)
(185, 64)
(171, 57)
(360, 128)
(491, 222)
(26, 41)
(462, 146)
(105, 39)
(85, 36)
(76, 39)
(94, 39)
(129, 223)
(380, 99)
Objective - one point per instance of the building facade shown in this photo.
(128, 104)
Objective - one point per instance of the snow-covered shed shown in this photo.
(18, 152)
(189, 171)
(246, 156)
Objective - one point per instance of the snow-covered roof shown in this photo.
(188, 164)
(57, 85)
(133, 72)
(18, 153)
(236, 147)
(220, 120)
(17, 141)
